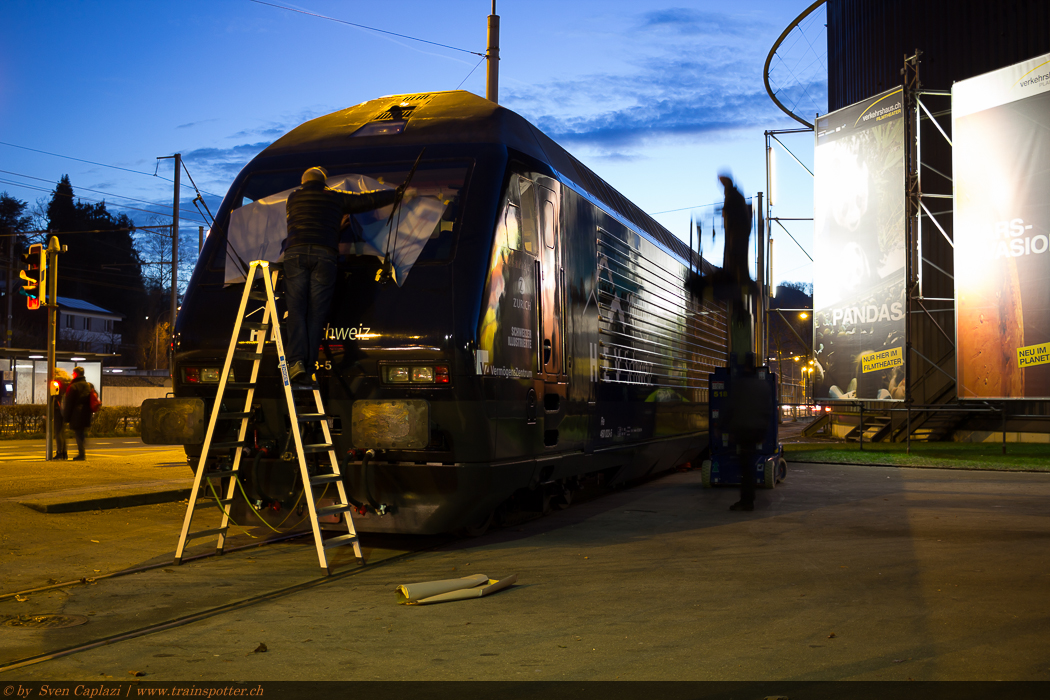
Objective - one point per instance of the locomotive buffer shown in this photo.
(233, 473)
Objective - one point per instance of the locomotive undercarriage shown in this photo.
(427, 491)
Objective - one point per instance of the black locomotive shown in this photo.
(541, 340)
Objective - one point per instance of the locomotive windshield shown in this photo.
(421, 231)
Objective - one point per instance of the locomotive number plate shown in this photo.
(391, 425)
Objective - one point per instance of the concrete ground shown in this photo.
(841, 573)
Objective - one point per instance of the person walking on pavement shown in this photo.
(61, 383)
(315, 212)
(76, 408)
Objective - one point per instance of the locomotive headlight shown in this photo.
(210, 374)
(397, 374)
(415, 374)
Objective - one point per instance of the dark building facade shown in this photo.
(868, 40)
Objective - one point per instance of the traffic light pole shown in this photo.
(51, 296)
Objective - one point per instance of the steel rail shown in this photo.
(138, 569)
(205, 614)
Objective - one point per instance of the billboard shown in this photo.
(1001, 163)
(859, 251)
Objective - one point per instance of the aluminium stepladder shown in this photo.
(269, 326)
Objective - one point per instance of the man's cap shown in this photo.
(315, 175)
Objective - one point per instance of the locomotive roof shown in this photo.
(458, 116)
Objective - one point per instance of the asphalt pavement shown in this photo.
(841, 573)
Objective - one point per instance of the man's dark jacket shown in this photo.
(76, 406)
(315, 212)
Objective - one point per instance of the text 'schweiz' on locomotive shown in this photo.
(535, 336)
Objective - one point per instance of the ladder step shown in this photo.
(240, 385)
(319, 447)
(256, 325)
(301, 387)
(206, 533)
(235, 416)
(311, 417)
(210, 503)
(229, 445)
(334, 510)
(339, 541)
(247, 355)
(325, 479)
(221, 474)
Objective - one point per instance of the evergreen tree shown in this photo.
(28, 328)
(102, 265)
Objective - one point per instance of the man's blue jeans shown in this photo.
(309, 280)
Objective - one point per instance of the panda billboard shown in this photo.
(859, 251)
(1001, 163)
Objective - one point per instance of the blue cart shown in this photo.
(724, 465)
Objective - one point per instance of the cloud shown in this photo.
(690, 22)
(678, 87)
(222, 164)
(189, 125)
(275, 131)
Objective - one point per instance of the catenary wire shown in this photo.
(362, 26)
(91, 199)
(470, 73)
(182, 211)
(91, 162)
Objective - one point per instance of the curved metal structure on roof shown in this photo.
(769, 58)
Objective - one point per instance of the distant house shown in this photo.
(84, 327)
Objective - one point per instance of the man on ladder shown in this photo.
(315, 213)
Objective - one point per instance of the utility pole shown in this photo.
(761, 351)
(51, 298)
(175, 239)
(10, 273)
(492, 58)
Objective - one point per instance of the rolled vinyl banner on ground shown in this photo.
(415, 591)
(465, 593)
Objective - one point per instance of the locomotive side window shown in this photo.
(512, 223)
(529, 218)
(548, 224)
(518, 236)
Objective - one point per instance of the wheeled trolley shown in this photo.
(724, 465)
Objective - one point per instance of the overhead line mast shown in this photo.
(492, 56)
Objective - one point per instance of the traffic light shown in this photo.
(34, 276)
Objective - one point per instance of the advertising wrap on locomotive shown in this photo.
(535, 337)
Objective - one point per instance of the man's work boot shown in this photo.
(79, 458)
(740, 505)
(296, 372)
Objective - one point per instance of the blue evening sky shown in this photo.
(656, 97)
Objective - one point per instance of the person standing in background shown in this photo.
(59, 386)
(76, 408)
